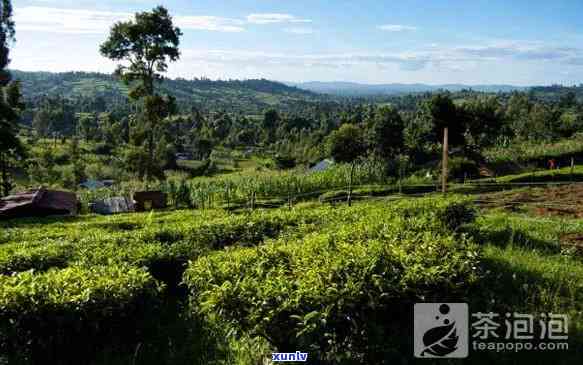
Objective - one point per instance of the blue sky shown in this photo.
(409, 41)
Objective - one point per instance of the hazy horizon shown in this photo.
(292, 82)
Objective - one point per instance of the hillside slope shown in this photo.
(251, 96)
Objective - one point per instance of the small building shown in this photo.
(148, 200)
(112, 206)
(38, 203)
(322, 165)
(183, 156)
(96, 184)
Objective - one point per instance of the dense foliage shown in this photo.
(341, 293)
(62, 315)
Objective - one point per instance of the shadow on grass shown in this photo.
(511, 237)
(41, 221)
(514, 288)
(180, 339)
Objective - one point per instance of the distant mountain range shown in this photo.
(357, 89)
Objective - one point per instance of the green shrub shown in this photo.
(462, 168)
(39, 256)
(74, 312)
(161, 244)
(342, 294)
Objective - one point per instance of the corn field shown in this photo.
(237, 189)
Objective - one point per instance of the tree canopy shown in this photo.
(11, 104)
(6, 36)
(148, 43)
(347, 143)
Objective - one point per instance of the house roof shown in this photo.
(322, 165)
(38, 202)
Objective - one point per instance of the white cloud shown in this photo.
(432, 57)
(299, 31)
(212, 23)
(55, 20)
(405, 61)
(519, 50)
(396, 28)
(79, 21)
(273, 18)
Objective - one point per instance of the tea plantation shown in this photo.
(213, 287)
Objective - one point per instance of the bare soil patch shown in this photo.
(564, 200)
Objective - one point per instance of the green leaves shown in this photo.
(148, 42)
(328, 290)
(318, 278)
(77, 307)
(347, 143)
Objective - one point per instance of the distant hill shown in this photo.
(356, 89)
(250, 96)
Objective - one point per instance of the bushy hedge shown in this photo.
(40, 256)
(74, 312)
(164, 245)
(344, 294)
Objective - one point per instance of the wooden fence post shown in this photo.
(444, 160)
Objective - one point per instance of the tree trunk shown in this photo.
(6, 185)
(444, 171)
(350, 184)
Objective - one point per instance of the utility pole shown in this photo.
(444, 160)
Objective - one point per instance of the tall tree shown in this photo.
(270, 120)
(347, 145)
(11, 105)
(443, 113)
(147, 42)
(6, 36)
(386, 133)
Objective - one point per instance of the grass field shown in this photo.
(526, 156)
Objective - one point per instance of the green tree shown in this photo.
(443, 113)
(87, 125)
(386, 133)
(517, 114)
(270, 121)
(11, 105)
(419, 137)
(147, 43)
(202, 147)
(11, 148)
(6, 36)
(347, 145)
(74, 173)
(483, 119)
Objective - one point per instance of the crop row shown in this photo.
(342, 295)
(322, 281)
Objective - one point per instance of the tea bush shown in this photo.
(40, 256)
(344, 293)
(163, 245)
(74, 312)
